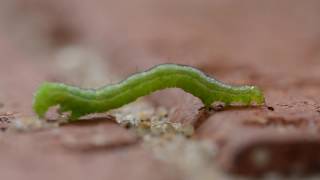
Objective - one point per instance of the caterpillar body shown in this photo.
(81, 102)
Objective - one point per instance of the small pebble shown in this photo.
(187, 130)
(270, 108)
(126, 124)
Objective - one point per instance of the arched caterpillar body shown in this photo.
(85, 101)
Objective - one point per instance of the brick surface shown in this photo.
(272, 44)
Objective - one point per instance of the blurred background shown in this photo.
(273, 44)
(91, 43)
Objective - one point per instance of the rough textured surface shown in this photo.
(268, 43)
(80, 151)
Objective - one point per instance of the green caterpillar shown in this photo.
(81, 102)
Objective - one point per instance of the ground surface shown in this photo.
(275, 45)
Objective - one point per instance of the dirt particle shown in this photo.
(5, 120)
(126, 124)
(202, 116)
(218, 106)
(270, 108)
(187, 130)
(145, 124)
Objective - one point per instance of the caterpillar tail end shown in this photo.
(257, 97)
(47, 95)
(41, 103)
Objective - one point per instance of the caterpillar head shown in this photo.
(256, 96)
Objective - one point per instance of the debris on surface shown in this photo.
(5, 120)
(146, 120)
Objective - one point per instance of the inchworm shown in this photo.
(80, 102)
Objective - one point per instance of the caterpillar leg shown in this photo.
(213, 108)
